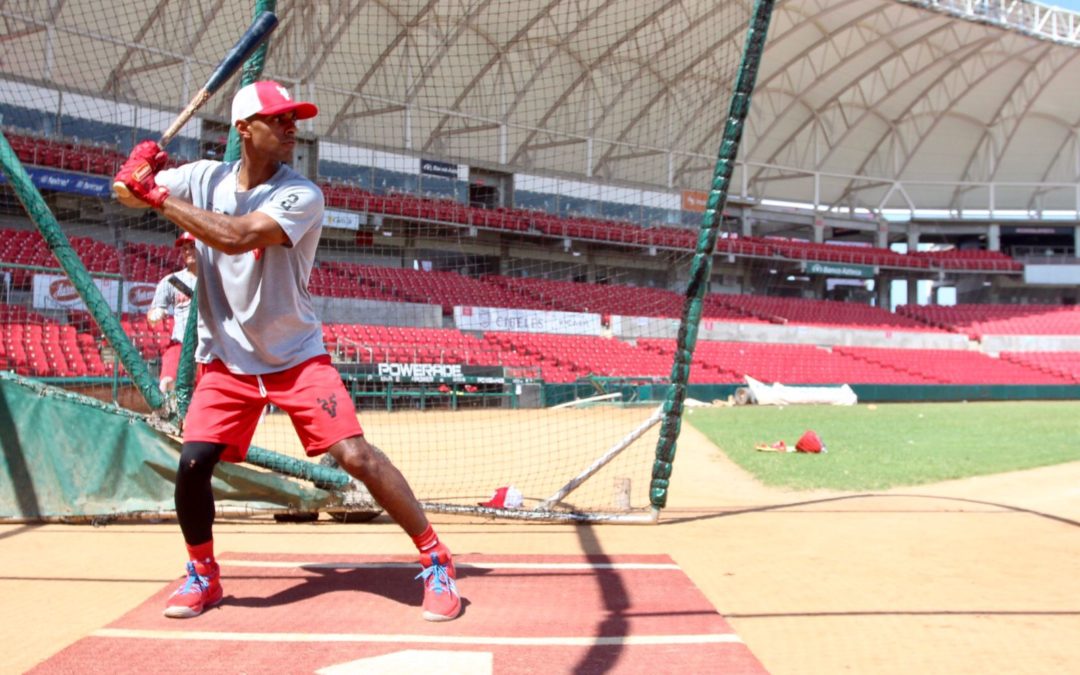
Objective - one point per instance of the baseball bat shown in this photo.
(181, 286)
(257, 32)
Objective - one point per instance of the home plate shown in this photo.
(345, 615)
(415, 661)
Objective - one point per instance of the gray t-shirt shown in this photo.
(255, 312)
(169, 297)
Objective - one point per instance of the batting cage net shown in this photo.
(513, 242)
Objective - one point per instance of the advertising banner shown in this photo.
(53, 291)
(137, 296)
(64, 181)
(412, 373)
(840, 270)
(526, 320)
(341, 220)
(694, 200)
(432, 167)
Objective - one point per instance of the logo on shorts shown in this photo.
(329, 405)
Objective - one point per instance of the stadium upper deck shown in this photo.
(864, 109)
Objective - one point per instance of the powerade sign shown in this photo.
(424, 372)
(420, 372)
(62, 181)
(433, 167)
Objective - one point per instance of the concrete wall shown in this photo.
(348, 310)
(635, 327)
(351, 310)
(1031, 343)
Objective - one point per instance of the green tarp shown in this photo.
(64, 456)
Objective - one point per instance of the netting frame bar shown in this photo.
(602, 461)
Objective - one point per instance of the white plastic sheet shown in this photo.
(780, 394)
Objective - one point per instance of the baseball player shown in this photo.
(258, 222)
(173, 294)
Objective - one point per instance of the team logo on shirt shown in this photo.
(329, 404)
(289, 201)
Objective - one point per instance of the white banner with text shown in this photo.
(526, 320)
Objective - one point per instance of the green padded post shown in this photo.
(701, 266)
(251, 72)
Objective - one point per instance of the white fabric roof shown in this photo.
(880, 103)
(860, 103)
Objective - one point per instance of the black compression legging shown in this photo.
(194, 496)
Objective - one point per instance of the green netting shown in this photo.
(514, 195)
(42, 217)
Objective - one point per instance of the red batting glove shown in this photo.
(138, 171)
(151, 153)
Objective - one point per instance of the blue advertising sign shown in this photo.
(65, 181)
(433, 167)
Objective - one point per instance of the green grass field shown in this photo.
(889, 445)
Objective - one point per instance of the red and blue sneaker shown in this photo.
(198, 592)
(441, 599)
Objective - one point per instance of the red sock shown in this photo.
(427, 542)
(203, 556)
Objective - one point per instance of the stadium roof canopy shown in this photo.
(961, 106)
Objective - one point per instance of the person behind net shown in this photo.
(173, 293)
(258, 222)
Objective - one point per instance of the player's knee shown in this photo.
(197, 460)
(358, 457)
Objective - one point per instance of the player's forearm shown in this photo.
(228, 234)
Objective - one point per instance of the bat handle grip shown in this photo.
(122, 192)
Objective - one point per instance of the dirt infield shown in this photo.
(962, 577)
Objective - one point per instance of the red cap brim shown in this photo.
(304, 110)
(497, 501)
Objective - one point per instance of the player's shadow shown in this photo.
(395, 583)
(600, 659)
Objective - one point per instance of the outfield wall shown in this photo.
(867, 393)
(885, 393)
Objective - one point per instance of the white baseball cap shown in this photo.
(267, 97)
(506, 497)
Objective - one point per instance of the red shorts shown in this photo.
(225, 407)
(170, 360)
